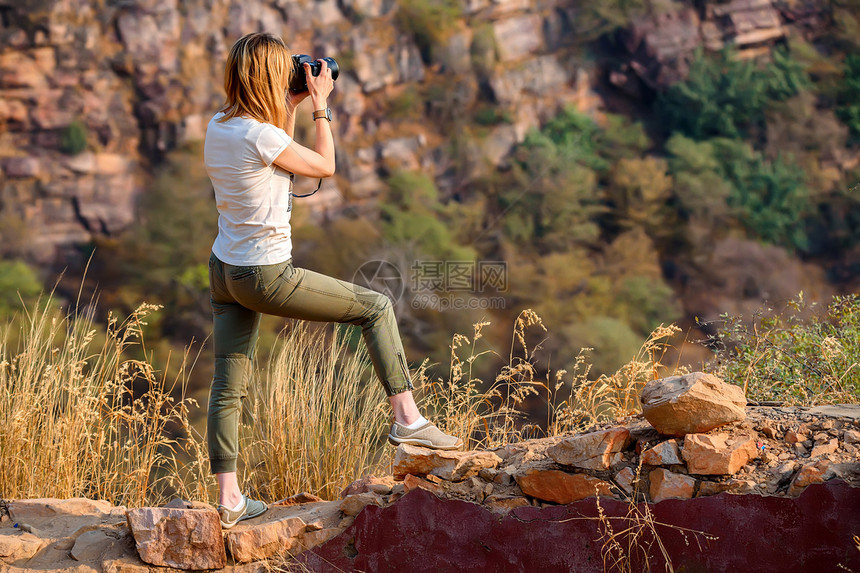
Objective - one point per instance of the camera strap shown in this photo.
(292, 180)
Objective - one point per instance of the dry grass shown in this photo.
(83, 412)
(493, 415)
(80, 417)
(315, 419)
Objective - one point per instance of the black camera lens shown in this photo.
(299, 83)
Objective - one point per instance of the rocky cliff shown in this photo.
(94, 92)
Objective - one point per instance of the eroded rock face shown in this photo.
(595, 450)
(693, 403)
(560, 487)
(181, 538)
(452, 466)
(718, 454)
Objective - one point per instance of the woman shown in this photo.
(250, 156)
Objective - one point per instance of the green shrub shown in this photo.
(849, 95)
(73, 139)
(18, 282)
(490, 115)
(722, 176)
(724, 96)
(428, 22)
(801, 355)
(483, 51)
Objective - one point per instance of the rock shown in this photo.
(353, 504)
(90, 546)
(560, 487)
(22, 167)
(851, 436)
(452, 466)
(26, 509)
(668, 485)
(782, 473)
(411, 482)
(518, 37)
(254, 541)
(793, 437)
(809, 474)
(505, 503)
(181, 538)
(824, 449)
(733, 486)
(15, 545)
(625, 479)
(693, 403)
(128, 565)
(769, 432)
(311, 539)
(659, 45)
(380, 485)
(299, 498)
(179, 503)
(800, 450)
(717, 454)
(663, 454)
(595, 450)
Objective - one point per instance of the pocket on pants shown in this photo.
(245, 279)
(241, 273)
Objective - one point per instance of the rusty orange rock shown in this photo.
(380, 485)
(825, 448)
(669, 485)
(809, 474)
(411, 482)
(717, 454)
(693, 403)
(181, 538)
(254, 541)
(353, 504)
(663, 454)
(559, 486)
(452, 466)
(594, 450)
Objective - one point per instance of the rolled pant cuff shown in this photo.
(222, 465)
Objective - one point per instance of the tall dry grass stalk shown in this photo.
(492, 415)
(79, 417)
(609, 396)
(315, 419)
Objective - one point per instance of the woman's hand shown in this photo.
(294, 99)
(319, 87)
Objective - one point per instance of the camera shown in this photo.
(299, 83)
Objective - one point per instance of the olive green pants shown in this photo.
(240, 294)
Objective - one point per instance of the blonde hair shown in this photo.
(256, 77)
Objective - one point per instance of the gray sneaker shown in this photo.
(428, 436)
(250, 508)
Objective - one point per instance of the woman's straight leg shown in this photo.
(234, 337)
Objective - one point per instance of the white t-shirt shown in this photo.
(253, 196)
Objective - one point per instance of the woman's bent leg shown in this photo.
(307, 295)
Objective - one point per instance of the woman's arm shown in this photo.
(319, 161)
